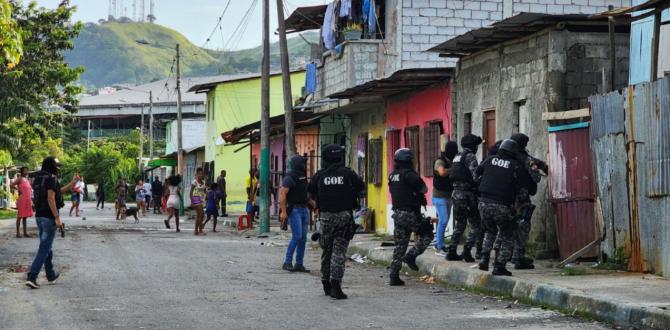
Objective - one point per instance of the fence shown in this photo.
(631, 146)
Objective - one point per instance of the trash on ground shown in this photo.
(18, 269)
(359, 259)
(427, 279)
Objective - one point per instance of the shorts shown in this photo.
(147, 199)
(196, 200)
(75, 198)
(173, 202)
(121, 201)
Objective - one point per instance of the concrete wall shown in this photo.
(193, 135)
(522, 79)
(426, 23)
(358, 63)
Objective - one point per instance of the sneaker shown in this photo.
(287, 267)
(32, 284)
(53, 280)
(300, 269)
(441, 252)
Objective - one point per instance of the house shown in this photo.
(235, 102)
(193, 144)
(642, 41)
(380, 87)
(511, 74)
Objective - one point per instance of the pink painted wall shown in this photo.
(418, 109)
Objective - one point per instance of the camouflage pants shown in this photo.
(334, 243)
(522, 230)
(498, 223)
(405, 223)
(466, 212)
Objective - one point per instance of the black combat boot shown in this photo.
(326, 287)
(411, 262)
(452, 255)
(484, 263)
(336, 290)
(467, 254)
(499, 269)
(395, 280)
(478, 251)
(524, 263)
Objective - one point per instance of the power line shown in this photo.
(218, 23)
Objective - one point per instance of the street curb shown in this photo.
(566, 300)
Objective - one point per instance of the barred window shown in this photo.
(412, 143)
(431, 147)
(375, 159)
(393, 141)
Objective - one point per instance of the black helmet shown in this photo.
(297, 163)
(332, 153)
(470, 141)
(510, 146)
(403, 155)
(51, 165)
(494, 148)
(521, 139)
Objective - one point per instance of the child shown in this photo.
(212, 209)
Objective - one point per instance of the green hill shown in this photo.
(111, 54)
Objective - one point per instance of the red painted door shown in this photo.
(489, 130)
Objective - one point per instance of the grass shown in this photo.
(619, 261)
(6, 214)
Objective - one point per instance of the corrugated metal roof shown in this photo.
(207, 85)
(401, 81)
(655, 100)
(518, 26)
(306, 18)
(607, 114)
(300, 118)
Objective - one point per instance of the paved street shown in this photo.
(143, 276)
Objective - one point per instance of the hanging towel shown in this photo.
(365, 10)
(327, 31)
(310, 78)
(345, 8)
(372, 18)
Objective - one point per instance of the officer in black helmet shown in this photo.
(501, 177)
(464, 198)
(336, 189)
(408, 194)
(524, 207)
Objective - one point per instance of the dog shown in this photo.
(130, 211)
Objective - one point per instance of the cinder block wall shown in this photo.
(426, 23)
(545, 73)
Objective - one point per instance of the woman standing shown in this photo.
(139, 196)
(174, 196)
(24, 203)
(197, 198)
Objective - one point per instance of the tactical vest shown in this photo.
(297, 195)
(459, 173)
(335, 192)
(498, 182)
(442, 183)
(403, 196)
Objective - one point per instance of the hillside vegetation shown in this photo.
(110, 54)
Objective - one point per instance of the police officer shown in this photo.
(408, 194)
(523, 204)
(464, 198)
(336, 189)
(501, 176)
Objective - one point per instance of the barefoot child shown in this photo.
(212, 209)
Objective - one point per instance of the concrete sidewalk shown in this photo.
(624, 299)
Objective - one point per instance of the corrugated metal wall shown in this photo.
(572, 190)
(634, 149)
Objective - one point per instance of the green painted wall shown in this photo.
(235, 104)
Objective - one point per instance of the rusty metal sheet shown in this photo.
(576, 227)
(607, 114)
(654, 101)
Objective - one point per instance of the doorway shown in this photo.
(489, 130)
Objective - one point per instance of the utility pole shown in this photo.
(151, 124)
(265, 124)
(286, 82)
(180, 156)
(139, 161)
(88, 136)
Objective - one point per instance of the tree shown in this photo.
(42, 78)
(11, 38)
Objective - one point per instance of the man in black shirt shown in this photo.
(157, 194)
(48, 199)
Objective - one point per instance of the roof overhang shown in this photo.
(300, 119)
(653, 6)
(519, 26)
(306, 18)
(400, 82)
(206, 87)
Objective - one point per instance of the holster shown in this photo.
(351, 229)
(425, 226)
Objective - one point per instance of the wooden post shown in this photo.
(612, 35)
(264, 165)
(286, 82)
(655, 45)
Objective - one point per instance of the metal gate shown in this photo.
(571, 189)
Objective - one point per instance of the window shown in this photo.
(412, 143)
(431, 147)
(375, 159)
(467, 123)
(521, 116)
(361, 155)
(393, 140)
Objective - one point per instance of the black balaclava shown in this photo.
(297, 166)
(471, 142)
(521, 139)
(450, 150)
(332, 155)
(494, 148)
(51, 165)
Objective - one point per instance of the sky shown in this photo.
(197, 18)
